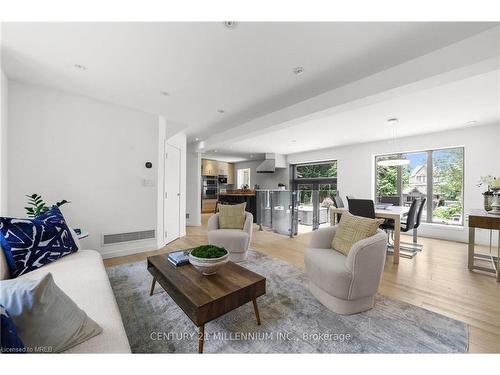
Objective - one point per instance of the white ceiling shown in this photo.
(448, 106)
(247, 71)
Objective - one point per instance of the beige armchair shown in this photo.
(345, 284)
(235, 241)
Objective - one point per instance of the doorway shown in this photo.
(243, 178)
(315, 186)
(172, 206)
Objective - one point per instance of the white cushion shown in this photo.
(46, 319)
(83, 277)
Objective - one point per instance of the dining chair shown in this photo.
(362, 207)
(415, 245)
(338, 203)
(411, 221)
(337, 200)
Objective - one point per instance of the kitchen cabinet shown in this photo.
(208, 205)
(209, 167)
(230, 174)
(217, 168)
(222, 167)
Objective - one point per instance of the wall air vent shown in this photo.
(109, 239)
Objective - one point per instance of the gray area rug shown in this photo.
(293, 321)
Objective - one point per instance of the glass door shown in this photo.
(305, 207)
(315, 185)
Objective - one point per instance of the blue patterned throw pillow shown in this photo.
(10, 341)
(29, 244)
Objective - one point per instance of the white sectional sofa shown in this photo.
(82, 277)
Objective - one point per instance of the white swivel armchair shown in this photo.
(235, 241)
(345, 284)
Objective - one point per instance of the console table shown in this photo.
(484, 220)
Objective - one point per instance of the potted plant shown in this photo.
(38, 206)
(208, 258)
(488, 194)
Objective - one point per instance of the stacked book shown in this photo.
(179, 258)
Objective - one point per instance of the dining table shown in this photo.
(395, 213)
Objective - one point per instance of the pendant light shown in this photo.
(396, 160)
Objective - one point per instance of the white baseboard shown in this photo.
(128, 249)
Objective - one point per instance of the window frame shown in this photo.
(429, 182)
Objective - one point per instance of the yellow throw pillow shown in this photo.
(232, 216)
(353, 229)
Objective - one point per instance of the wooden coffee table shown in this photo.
(205, 298)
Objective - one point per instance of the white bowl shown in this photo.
(208, 266)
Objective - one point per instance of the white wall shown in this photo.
(356, 167)
(4, 87)
(264, 180)
(193, 186)
(86, 151)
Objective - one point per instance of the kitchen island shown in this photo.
(240, 196)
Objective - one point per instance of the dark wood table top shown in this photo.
(204, 298)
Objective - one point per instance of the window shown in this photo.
(434, 174)
(447, 175)
(325, 170)
(243, 177)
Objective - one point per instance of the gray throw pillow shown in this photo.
(47, 320)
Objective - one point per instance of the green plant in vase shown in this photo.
(37, 206)
(208, 252)
(208, 258)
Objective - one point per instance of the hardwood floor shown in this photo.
(437, 279)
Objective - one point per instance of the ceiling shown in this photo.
(247, 71)
(454, 105)
(232, 156)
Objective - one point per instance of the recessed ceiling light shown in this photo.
(230, 24)
(469, 123)
(294, 140)
(80, 66)
(221, 111)
(392, 121)
(298, 70)
(165, 93)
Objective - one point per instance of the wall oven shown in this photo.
(210, 187)
(210, 181)
(209, 192)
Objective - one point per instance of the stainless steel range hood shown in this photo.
(271, 162)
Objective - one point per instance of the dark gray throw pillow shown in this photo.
(47, 320)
